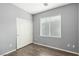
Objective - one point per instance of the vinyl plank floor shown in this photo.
(37, 50)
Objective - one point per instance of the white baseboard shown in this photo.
(12, 51)
(24, 45)
(45, 46)
(8, 52)
(57, 48)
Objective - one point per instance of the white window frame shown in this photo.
(46, 19)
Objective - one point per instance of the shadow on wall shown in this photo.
(8, 16)
(69, 27)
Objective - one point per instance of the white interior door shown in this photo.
(24, 32)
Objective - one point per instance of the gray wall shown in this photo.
(8, 15)
(69, 28)
(78, 27)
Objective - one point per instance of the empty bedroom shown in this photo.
(39, 29)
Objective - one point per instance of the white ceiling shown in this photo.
(34, 8)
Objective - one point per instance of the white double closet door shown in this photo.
(24, 32)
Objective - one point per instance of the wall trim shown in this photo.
(7, 52)
(13, 50)
(56, 48)
(45, 46)
(24, 46)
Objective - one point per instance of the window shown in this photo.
(50, 26)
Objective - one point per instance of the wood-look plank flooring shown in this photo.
(37, 50)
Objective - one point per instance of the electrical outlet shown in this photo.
(68, 45)
(73, 46)
(10, 45)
